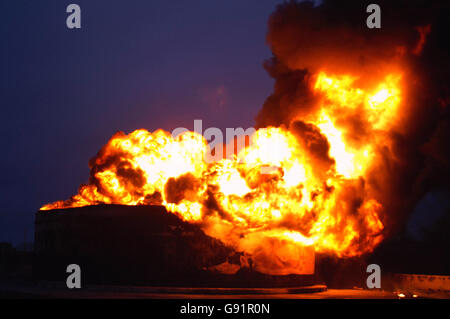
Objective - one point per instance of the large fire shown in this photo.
(273, 200)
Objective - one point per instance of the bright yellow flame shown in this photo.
(269, 199)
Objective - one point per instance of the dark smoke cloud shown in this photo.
(333, 37)
(316, 144)
(182, 187)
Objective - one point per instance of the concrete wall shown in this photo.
(420, 282)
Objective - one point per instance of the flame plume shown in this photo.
(293, 188)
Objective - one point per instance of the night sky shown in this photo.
(133, 64)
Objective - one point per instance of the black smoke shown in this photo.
(333, 36)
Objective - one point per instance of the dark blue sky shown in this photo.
(134, 64)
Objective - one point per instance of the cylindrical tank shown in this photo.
(145, 245)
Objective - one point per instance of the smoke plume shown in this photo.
(333, 37)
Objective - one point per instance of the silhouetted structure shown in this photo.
(145, 245)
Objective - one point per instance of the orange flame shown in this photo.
(270, 200)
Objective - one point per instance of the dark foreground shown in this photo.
(44, 290)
